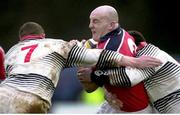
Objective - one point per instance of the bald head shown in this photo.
(107, 11)
(103, 20)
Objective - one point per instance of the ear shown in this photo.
(112, 26)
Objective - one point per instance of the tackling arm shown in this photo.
(121, 77)
(79, 56)
(128, 77)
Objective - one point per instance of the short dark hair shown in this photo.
(138, 36)
(30, 28)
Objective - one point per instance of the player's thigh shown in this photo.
(5, 99)
(29, 103)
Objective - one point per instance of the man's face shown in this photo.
(99, 25)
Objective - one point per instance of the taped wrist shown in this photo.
(99, 77)
(107, 59)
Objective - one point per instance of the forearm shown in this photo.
(93, 57)
(128, 77)
(141, 62)
(103, 58)
(128, 61)
(121, 77)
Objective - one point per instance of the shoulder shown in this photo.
(54, 40)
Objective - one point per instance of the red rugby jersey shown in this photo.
(133, 98)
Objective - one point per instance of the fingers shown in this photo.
(72, 42)
(81, 70)
(147, 61)
(154, 62)
(83, 74)
(85, 71)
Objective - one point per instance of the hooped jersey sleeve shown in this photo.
(128, 77)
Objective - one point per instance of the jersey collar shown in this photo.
(110, 34)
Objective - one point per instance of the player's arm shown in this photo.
(103, 58)
(122, 76)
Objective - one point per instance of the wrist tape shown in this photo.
(99, 77)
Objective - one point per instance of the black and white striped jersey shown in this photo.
(159, 81)
(164, 79)
(34, 65)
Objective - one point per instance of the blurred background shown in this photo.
(69, 19)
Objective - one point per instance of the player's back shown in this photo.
(36, 64)
(35, 56)
(28, 56)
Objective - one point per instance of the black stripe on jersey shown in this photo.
(8, 68)
(149, 50)
(164, 104)
(119, 77)
(55, 60)
(31, 81)
(106, 59)
(166, 73)
(147, 72)
(75, 56)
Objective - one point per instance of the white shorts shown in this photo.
(15, 101)
(106, 108)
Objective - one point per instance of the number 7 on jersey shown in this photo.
(31, 48)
